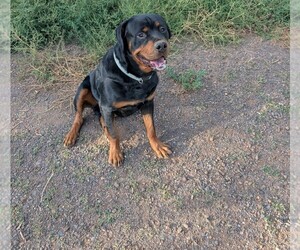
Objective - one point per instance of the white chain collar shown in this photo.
(139, 79)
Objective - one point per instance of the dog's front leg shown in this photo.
(161, 149)
(115, 155)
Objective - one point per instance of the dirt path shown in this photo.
(225, 186)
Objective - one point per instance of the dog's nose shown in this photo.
(161, 46)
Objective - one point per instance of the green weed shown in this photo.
(83, 173)
(278, 207)
(19, 158)
(84, 202)
(189, 79)
(109, 216)
(256, 134)
(17, 215)
(49, 196)
(165, 192)
(22, 184)
(231, 75)
(179, 202)
(271, 171)
(272, 106)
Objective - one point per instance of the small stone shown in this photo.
(179, 230)
(184, 179)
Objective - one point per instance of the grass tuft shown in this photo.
(189, 79)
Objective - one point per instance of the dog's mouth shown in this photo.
(157, 64)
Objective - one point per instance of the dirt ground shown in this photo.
(224, 187)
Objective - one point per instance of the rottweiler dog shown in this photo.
(125, 82)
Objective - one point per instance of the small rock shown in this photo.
(184, 179)
(179, 230)
(61, 233)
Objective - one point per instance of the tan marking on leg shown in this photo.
(72, 135)
(115, 156)
(89, 99)
(85, 97)
(161, 149)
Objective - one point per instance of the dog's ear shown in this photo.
(169, 31)
(121, 46)
(120, 34)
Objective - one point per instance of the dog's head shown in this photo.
(145, 38)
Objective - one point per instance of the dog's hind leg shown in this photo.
(82, 98)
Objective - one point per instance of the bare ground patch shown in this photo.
(225, 186)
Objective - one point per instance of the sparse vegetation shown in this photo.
(53, 25)
(91, 24)
(271, 171)
(189, 79)
(109, 216)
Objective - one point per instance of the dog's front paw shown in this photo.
(115, 157)
(70, 139)
(161, 149)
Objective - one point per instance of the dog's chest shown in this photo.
(133, 98)
(138, 92)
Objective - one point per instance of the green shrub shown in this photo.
(91, 23)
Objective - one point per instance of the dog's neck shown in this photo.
(137, 77)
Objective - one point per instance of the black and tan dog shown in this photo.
(125, 81)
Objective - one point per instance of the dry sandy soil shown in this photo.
(224, 187)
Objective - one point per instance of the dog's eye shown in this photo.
(141, 35)
(162, 29)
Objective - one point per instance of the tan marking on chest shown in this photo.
(122, 104)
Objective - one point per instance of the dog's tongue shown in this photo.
(159, 64)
